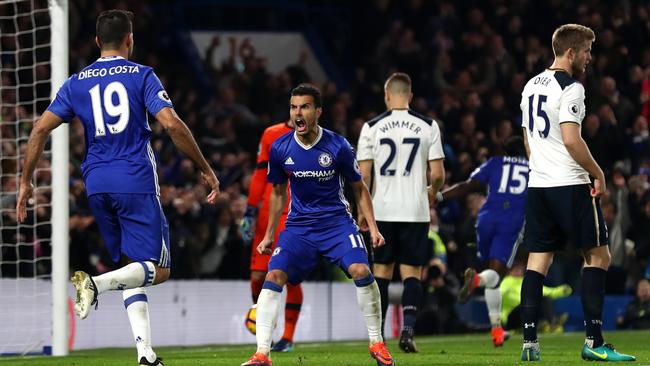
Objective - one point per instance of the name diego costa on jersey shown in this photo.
(111, 98)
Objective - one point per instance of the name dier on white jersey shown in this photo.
(549, 99)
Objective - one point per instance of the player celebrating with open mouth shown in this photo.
(316, 161)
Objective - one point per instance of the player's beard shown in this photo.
(578, 68)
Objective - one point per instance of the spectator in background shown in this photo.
(608, 94)
(221, 257)
(637, 314)
(640, 140)
(640, 234)
(644, 91)
(499, 134)
(596, 138)
(617, 218)
(438, 314)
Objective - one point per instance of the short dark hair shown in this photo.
(400, 83)
(112, 26)
(514, 146)
(309, 89)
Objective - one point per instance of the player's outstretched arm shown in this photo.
(365, 166)
(277, 200)
(364, 202)
(461, 189)
(184, 141)
(579, 151)
(37, 139)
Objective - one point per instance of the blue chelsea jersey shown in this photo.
(507, 180)
(111, 98)
(316, 175)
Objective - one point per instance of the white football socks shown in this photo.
(369, 302)
(131, 276)
(268, 307)
(490, 280)
(137, 308)
(493, 302)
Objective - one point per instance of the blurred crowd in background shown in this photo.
(469, 61)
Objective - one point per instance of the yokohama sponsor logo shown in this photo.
(314, 173)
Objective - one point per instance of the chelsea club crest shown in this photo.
(324, 160)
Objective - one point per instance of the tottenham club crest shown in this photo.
(325, 160)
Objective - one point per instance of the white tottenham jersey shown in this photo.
(400, 143)
(548, 100)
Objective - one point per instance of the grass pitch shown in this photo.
(477, 349)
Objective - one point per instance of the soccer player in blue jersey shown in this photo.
(316, 162)
(111, 98)
(499, 226)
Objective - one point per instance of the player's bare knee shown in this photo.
(162, 275)
(358, 271)
(276, 276)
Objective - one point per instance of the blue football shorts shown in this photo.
(499, 239)
(134, 225)
(297, 251)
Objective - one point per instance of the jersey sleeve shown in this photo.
(61, 105)
(264, 148)
(275, 173)
(482, 173)
(364, 146)
(348, 163)
(155, 96)
(435, 150)
(572, 104)
(258, 180)
(257, 187)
